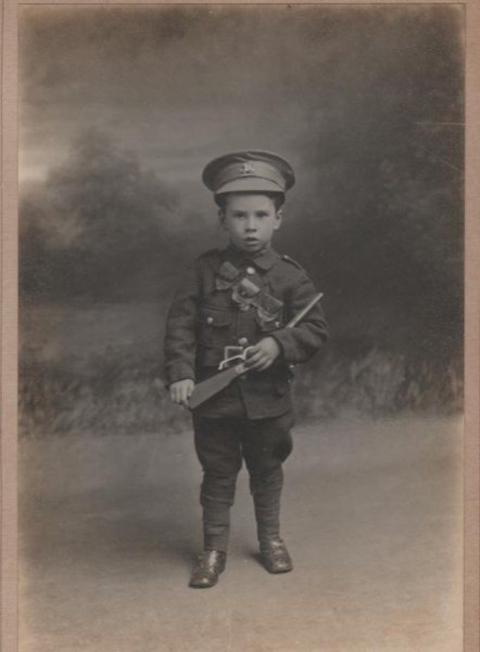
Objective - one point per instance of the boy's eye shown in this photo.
(243, 214)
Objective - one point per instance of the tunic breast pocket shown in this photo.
(215, 327)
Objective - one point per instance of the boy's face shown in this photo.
(250, 220)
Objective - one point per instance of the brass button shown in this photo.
(277, 324)
(243, 341)
(209, 320)
(250, 270)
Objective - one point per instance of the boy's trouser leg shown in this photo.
(218, 449)
(266, 444)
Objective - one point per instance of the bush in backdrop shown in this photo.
(121, 390)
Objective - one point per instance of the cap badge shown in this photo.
(246, 169)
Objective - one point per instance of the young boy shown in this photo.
(242, 296)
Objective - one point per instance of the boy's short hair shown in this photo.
(278, 198)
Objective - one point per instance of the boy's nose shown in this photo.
(251, 224)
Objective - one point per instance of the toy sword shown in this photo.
(211, 386)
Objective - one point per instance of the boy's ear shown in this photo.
(279, 216)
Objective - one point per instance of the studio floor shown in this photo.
(372, 514)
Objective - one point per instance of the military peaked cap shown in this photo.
(249, 171)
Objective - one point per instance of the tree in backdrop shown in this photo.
(97, 225)
(385, 215)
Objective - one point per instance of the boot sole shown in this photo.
(279, 571)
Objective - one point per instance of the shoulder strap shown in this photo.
(292, 261)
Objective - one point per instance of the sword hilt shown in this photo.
(239, 355)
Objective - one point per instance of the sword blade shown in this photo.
(207, 388)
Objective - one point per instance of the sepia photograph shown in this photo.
(241, 327)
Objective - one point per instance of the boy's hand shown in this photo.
(181, 391)
(263, 354)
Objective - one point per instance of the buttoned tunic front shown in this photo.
(206, 315)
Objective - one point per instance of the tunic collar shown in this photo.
(264, 259)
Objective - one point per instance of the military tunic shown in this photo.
(231, 298)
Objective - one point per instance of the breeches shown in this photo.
(221, 445)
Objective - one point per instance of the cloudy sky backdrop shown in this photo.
(181, 85)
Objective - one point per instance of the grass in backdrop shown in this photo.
(98, 369)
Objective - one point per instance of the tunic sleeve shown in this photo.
(180, 333)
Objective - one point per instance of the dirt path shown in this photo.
(372, 515)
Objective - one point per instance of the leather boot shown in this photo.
(208, 567)
(274, 554)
